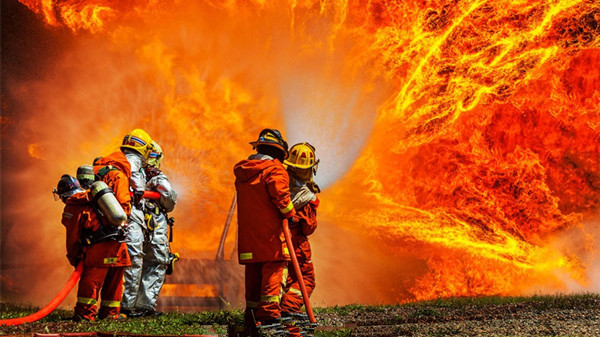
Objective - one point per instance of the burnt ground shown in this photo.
(560, 315)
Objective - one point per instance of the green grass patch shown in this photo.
(216, 322)
(346, 310)
(558, 301)
(170, 323)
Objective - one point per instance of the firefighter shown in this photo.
(104, 261)
(115, 171)
(301, 165)
(156, 247)
(263, 201)
(136, 148)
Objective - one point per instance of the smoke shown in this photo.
(55, 122)
(203, 87)
(580, 244)
(352, 268)
(442, 146)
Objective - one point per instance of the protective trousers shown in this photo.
(292, 300)
(104, 281)
(135, 247)
(156, 260)
(264, 284)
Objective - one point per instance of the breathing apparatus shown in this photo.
(107, 206)
(104, 197)
(85, 176)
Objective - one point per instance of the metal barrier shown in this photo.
(204, 284)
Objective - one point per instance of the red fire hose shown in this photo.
(288, 240)
(151, 195)
(56, 301)
(52, 305)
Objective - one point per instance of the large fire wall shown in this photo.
(459, 140)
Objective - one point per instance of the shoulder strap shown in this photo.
(103, 171)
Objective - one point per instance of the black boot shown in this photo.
(273, 327)
(131, 313)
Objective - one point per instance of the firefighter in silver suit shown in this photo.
(156, 248)
(136, 146)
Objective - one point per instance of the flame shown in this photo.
(189, 290)
(464, 134)
(35, 151)
(75, 15)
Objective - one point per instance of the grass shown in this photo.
(431, 308)
(173, 323)
(346, 310)
(216, 322)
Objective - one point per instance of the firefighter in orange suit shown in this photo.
(115, 171)
(301, 166)
(104, 259)
(263, 201)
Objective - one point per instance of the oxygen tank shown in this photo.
(109, 205)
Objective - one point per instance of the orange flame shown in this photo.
(75, 15)
(464, 134)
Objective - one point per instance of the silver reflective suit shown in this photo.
(135, 235)
(156, 249)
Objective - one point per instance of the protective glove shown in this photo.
(74, 261)
(293, 221)
(151, 172)
(122, 231)
(137, 198)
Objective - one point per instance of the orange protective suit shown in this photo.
(304, 224)
(263, 200)
(115, 172)
(104, 262)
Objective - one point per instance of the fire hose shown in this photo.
(62, 294)
(288, 240)
(50, 306)
(151, 195)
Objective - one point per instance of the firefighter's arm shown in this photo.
(72, 222)
(121, 190)
(138, 176)
(137, 182)
(309, 217)
(279, 190)
(168, 198)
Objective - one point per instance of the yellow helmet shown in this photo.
(138, 140)
(302, 156)
(155, 156)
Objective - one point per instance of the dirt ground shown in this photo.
(579, 317)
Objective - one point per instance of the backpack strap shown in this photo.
(103, 171)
